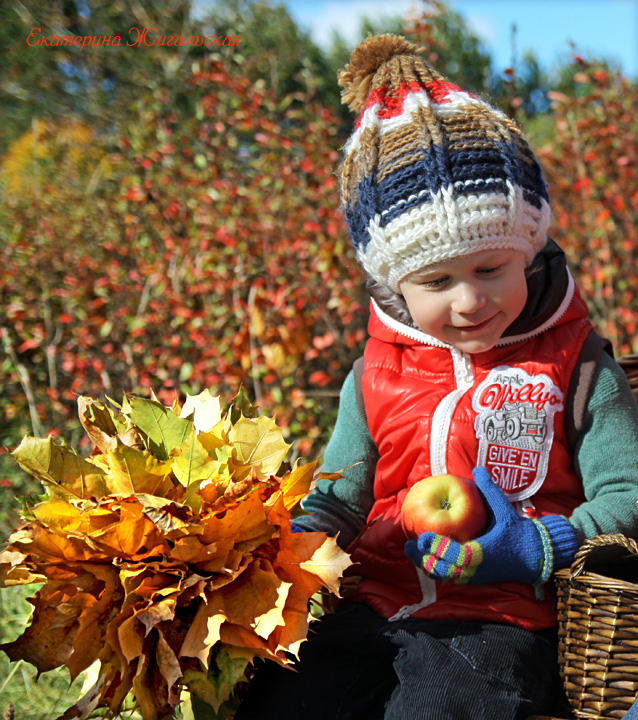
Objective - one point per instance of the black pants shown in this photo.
(357, 665)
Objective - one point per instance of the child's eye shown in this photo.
(489, 270)
(435, 283)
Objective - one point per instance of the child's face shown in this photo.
(468, 301)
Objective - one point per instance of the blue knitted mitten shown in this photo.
(514, 548)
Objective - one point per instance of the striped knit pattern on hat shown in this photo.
(431, 172)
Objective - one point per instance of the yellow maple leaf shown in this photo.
(15, 569)
(258, 444)
(137, 471)
(256, 599)
(296, 484)
(205, 410)
(61, 470)
(204, 631)
(98, 422)
(288, 637)
(296, 549)
(328, 563)
(247, 520)
(58, 515)
(192, 462)
(133, 537)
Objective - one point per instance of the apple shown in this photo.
(446, 505)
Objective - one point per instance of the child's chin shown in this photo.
(473, 347)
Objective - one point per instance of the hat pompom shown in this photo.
(365, 60)
(431, 172)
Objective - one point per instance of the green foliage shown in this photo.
(451, 46)
(273, 48)
(590, 161)
(99, 82)
(209, 253)
(29, 77)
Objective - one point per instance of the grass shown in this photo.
(50, 695)
(32, 698)
(46, 697)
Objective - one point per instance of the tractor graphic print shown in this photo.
(515, 428)
(514, 421)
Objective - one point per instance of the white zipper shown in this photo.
(428, 596)
(442, 417)
(463, 374)
(441, 421)
(405, 330)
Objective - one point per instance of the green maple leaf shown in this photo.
(164, 429)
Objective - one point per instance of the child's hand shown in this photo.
(513, 549)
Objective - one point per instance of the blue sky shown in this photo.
(605, 28)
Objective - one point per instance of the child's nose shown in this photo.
(469, 298)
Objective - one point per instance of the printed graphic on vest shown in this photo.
(515, 428)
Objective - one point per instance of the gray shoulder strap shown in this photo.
(580, 385)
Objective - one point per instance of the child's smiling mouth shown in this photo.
(477, 327)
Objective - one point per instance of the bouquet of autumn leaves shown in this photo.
(167, 556)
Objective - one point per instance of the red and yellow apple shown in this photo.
(446, 505)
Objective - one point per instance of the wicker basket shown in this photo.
(598, 632)
(629, 363)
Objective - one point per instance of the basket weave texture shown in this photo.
(598, 635)
(629, 364)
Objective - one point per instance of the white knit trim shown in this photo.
(459, 101)
(426, 193)
(443, 227)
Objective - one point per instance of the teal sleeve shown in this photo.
(606, 456)
(342, 506)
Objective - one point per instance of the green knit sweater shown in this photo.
(605, 458)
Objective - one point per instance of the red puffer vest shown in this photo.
(432, 410)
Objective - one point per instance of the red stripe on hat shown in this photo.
(439, 90)
(392, 102)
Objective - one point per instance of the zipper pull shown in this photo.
(463, 371)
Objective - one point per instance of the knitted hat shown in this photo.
(431, 172)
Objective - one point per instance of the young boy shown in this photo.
(480, 363)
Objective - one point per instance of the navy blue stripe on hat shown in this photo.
(469, 172)
(358, 225)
